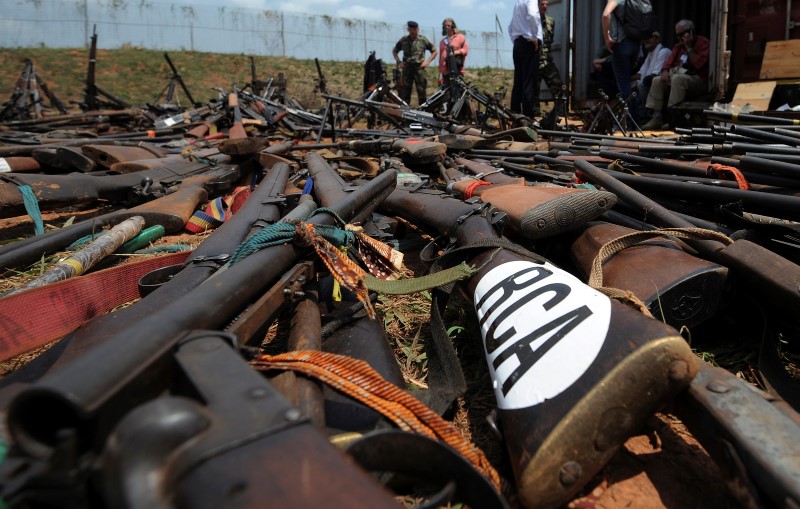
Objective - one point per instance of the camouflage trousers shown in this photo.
(414, 75)
(548, 73)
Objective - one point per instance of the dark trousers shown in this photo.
(623, 59)
(526, 75)
(414, 75)
(549, 73)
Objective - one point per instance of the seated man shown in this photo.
(602, 75)
(685, 74)
(657, 56)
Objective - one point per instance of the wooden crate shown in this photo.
(757, 94)
(781, 60)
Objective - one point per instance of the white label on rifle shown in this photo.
(542, 328)
(4, 166)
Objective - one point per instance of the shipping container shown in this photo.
(738, 29)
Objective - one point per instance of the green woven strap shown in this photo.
(418, 284)
(32, 208)
(281, 233)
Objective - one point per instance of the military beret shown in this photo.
(413, 24)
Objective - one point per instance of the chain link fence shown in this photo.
(204, 28)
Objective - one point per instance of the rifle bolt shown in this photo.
(292, 415)
(147, 183)
(678, 371)
(288, 292)
(718, 387)
(569, 473)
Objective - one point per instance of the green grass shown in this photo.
(140, 76)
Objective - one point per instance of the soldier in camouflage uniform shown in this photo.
(547, 68)
(414, 62)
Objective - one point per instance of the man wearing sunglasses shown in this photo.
(684, 75)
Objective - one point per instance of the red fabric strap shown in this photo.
(724, 172)
(471, 188)
(38, 316)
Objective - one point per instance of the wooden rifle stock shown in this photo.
(574, 372)
(679, 288)
(108, 155)
(535, 211)
(236, 130)
(22, 164)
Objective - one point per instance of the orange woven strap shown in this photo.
(471, 188)
(346, 272)
(358, 380)
(724, 172)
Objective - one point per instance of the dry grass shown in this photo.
(63, 70)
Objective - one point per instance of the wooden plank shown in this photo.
(757, 95)
(781, 60)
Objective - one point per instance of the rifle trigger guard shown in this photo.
(211, 261)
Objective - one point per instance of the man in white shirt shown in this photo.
(657, 56)
(525, 31)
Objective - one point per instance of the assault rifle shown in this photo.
(322, 84)
(90, 97)
(409, 115)
(170, 89)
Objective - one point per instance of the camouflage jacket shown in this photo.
(548, 34)
(413, 51)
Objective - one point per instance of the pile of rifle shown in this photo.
(179, 400)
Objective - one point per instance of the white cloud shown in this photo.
(463, 4)
(361, 12)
